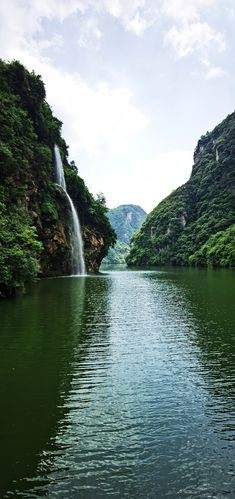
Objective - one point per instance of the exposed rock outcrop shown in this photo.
(35, 228)
(195, 224)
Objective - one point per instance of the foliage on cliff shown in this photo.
(117, 254)
(34, 213)
(125, 220)
(194, 224)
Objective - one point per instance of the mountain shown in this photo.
(195, 224)
(125, 219)
(35, 229)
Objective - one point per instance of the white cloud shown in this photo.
(173, 168)
(182, 10)
(123, 9)
(197, 36)
(52, 9)
(21, 20)
(159, 177)
(24, 19)
(230, 13)
(191, 33)
(27, 16)
(212, 71)
(215, 72)
(89, 32)
(99, 120)
(137, 24)
(95, 120)
(185, 11)
(135, 16)
(166, 172)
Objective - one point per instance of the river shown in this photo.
(119, 385)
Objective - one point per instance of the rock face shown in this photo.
(195, 223)
(126, 220)
(35, 229)
(95, 249)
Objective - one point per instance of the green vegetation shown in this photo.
(117, 254)
(125, 220)
(194, 224)
(218, 251)
(19, 251)
(34, 213)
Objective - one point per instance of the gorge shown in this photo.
(126, 219)
(120, 383)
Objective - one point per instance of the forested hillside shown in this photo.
(34, 212)
(195, 224)
(125, 219)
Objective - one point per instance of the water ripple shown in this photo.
(147, 406)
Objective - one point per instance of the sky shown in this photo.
(135, 83)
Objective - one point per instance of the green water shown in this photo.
(120, 385)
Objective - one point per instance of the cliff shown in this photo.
(125, 219)
(34, 212)
(195, 224)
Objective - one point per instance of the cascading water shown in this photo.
(78, 263)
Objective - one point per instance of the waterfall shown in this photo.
(78, 263)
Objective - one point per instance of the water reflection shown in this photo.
(145, 428)
(78, 428)
(213, 308)
(207, 299)
(126, 381)
(38, 334)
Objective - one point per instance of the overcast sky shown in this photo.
(135, 82)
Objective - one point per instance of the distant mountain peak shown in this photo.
(126, 219)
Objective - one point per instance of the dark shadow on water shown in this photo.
(42, 336)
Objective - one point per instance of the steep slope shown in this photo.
(195, 223)
(34, 212)
(125, 219)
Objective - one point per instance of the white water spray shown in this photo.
(78, 263)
